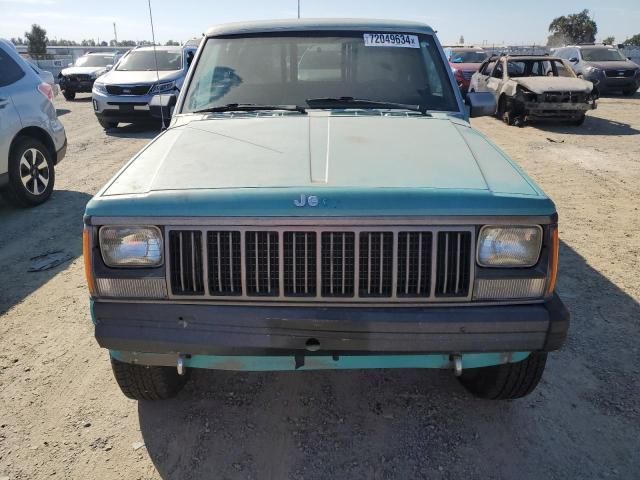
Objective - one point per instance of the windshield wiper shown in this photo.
(251, 107)
(351, 102)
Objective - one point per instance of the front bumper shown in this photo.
(196, 329)
(71, 84)
(607, 84)
(129, 108)
(558, 109)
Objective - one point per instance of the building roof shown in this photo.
(315, 24)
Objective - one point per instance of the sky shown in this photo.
(479, 22)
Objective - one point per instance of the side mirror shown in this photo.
(573, 59)
(109, 67)
(481, 104)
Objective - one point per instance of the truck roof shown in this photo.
(315, 24)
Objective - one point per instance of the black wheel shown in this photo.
(105, 124)
(504, 112)
(140, 382)
(31, 173)
(578, 121)
(630, 91)
(69, 95)
(507, 381)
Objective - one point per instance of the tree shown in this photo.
(88, 43)
(635, 40)
(609, 40)
(574, 28)
(62, 43)
(104, 44)
(17, 41)
(461, 40)
(37, 39)
(172, 43)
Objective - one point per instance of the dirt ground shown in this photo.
(62, 415)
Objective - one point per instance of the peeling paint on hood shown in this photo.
(554, 84)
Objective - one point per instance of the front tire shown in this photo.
(106, 125)
(628, 92)
(31, 173)
(578, 121)
(141, 382)
(505, 382)
(69, 95)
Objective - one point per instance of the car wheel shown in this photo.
(31, 173)
(578, 121)
(629, 91)
(141, 382)
(507, 381)
(69, 95)
(503, 111)
(104, 124)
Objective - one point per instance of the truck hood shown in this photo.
(82, 70)
(244, 163)
(122, 77)
(554, 84)
(614, 65)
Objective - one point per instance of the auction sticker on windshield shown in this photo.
(391, 40)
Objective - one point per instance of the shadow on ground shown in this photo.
(413, 423)
(135, 130)
(592, 126)
(62, 111)
(28, 232)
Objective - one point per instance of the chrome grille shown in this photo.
(411, 264)
(186, 262)
(224, 264)
(414, 264)
(300, 264)
(376, 264)
(454, 256)
(262, 263)
(338, 264)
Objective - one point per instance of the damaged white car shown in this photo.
(534, 87)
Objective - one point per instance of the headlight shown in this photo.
(131, 246)
(100, 87)
(591, 69)
(509, 246)
(163, 87)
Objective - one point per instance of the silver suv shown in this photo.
(32, 139)
(142, 86)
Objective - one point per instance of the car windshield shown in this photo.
(602, 55)
(291, 69)
(467, 56)
(94, 61)
(145, 60)
(538, 68)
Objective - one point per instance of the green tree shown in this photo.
(17, 41)
(574, 28)
(88, 43)
(172, 43)
(62, 43)
(635, 40)
(37, 39)
(609, 40)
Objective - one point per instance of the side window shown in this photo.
(10, 71)
(487, 68)
(497, 72)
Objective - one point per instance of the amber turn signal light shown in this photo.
(86, 253)
(552, 269)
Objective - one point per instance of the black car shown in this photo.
(79, 77)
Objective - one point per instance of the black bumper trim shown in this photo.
(60, 154)
(249, 330)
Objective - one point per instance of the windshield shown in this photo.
(94, 61)
(468, 56)
(602, 55)
(288, 70)
(538, 68)
(145, 60)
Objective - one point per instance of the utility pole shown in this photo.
(115, 33)
(298, 8)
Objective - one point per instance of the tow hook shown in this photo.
(180, 366)
(457, 365)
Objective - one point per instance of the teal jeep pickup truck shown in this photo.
(320, 201)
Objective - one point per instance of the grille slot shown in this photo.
(186, 262)
(338, 255)
(414, 264)
(620, 73)
(453, 264)
(224, 263)
(128, 89)
(300, 261)
(376, 264)
(261, 250)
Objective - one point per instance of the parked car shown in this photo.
(46, 76)
(603, 65)
(79, 77)
(132, 91)
(534, 88)
(32, 139)
(320, 200)
(464, 62)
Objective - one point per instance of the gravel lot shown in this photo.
(62, 415)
